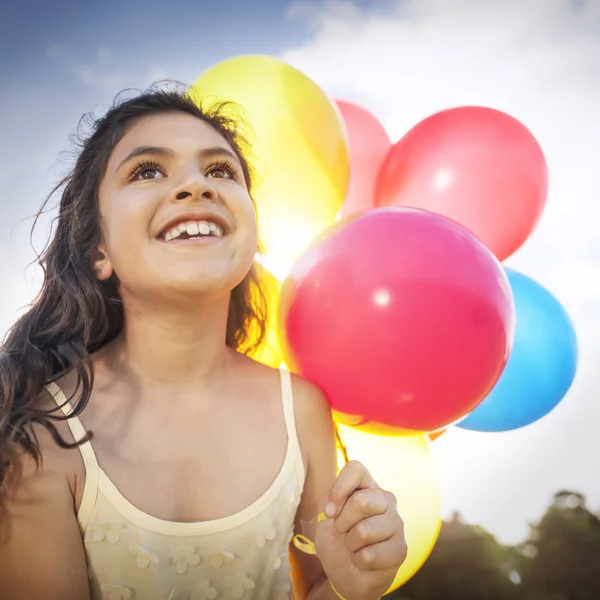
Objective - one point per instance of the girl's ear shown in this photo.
(102, 265)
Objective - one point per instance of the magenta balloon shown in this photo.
(403, 317)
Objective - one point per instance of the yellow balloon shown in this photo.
(297, 146)
(269, 352)
(404, 466)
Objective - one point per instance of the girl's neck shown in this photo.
(175, 349)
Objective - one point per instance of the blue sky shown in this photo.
(141, 31)
(404, 59)
(67, 58)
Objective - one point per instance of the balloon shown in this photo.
(475, 165)
(296, 145)
(369, 144)
(401, 316)
(405, 467)
(269, 352)
(434, 435)
(541, 367)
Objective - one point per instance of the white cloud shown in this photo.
(100, 75)
(539, 61)
(105, 73)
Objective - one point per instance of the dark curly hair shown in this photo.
(75, 314)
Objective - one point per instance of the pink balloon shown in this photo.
(403, 317)
(478, 166)
(369, 144)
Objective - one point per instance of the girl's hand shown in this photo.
(361, 543)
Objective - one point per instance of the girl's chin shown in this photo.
(194, 285)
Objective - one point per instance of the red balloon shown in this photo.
(402, 316)
(478, 166)
(368, 144)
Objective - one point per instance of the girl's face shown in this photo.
(175, 211)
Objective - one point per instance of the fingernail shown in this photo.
(330, 510)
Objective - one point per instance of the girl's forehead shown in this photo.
(171, 130)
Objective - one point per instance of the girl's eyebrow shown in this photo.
(146, 151)
(168, 153)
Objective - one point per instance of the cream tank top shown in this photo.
(131, 554)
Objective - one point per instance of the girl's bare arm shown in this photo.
(41, 547)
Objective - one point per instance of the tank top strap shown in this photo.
(287, 397)
(90, 489)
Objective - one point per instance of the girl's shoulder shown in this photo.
(38, 511)
(57, 466)
(314, 422)
(312, 412)
(310, 402)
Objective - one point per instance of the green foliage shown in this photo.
(467, 563)
(560, 560)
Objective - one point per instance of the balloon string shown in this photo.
(301, 542)
(336, 592)
(308, 547)
(341, 445)
(304, 544)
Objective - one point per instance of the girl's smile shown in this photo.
(193, 227)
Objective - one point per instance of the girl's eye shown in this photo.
(146, 170)
(222, 170)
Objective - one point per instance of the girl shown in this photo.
(203, 463)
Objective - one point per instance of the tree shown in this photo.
(561, 558)
(467, 563)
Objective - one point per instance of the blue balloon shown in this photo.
(541, 366)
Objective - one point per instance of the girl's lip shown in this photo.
(199, 241)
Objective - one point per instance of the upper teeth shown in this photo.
(194, 228)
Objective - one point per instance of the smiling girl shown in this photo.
(142, 453)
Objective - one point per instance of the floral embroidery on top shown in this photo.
(110, 532)
(239, 584)
(143, 556)
(116, 591)
(267, 533)
(184, 557)
(222, 558)
(204, 591)
(278, 562)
